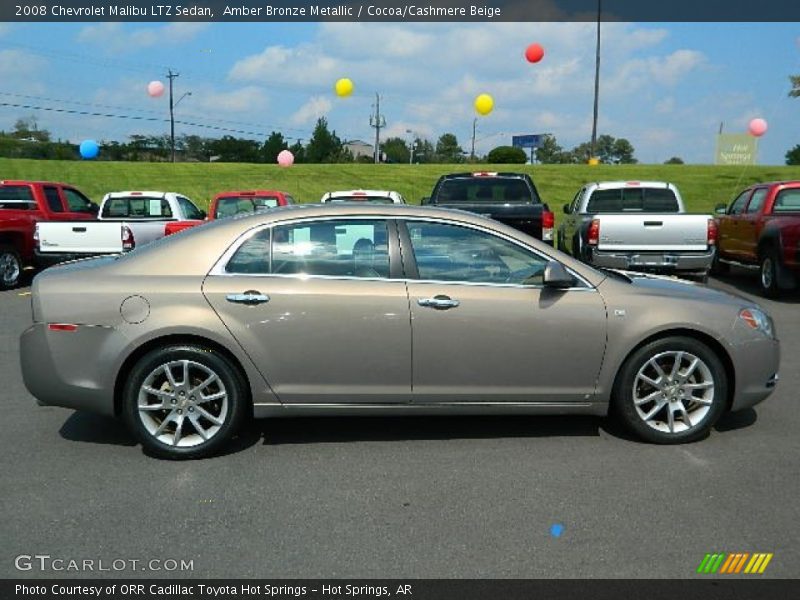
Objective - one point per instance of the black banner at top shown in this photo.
(400, 10)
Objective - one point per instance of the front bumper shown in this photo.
(756, 366)
(67, 368)
(665, 262)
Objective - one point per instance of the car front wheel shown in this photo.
(671, 391)
(184, 401)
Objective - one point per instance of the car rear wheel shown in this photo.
(671, 391)
(768, 273)
(184, 401)
(10, 267)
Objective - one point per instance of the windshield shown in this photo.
(633, 199)
(243, 205)
(484, 189)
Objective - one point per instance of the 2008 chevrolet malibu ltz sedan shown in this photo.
(357, 309)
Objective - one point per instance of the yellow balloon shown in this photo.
(593, 162)
(484, 104)
(344, 87)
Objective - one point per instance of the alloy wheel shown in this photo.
(9, 268)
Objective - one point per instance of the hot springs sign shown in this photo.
(736, 149)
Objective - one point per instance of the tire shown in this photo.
(717, 267)
(769, 273)
(660, 396)
(10, 268)
(205, 425)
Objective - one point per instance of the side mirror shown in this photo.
(556, 276)
(721, 209)
(94, 208)
(425, 200)
(203, 214)
(566, 209)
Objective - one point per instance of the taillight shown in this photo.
(548, 222)
(593, 237)
(128, 241)
(62, 327)
(36, 243)
(711, 236)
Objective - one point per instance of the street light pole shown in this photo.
(596, 81)
(474, 128)
(171, 76)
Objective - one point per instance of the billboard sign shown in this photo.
(736, 149)
(528, 141)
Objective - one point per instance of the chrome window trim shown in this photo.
(218, 270)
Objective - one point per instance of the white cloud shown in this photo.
(18, 62)
(314, 108)
(241, 100)
(116, 37)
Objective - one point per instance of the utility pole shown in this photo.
(596, 80)
(171, 76)
(377, 122)
(474, 128)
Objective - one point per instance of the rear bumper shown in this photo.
(42, 260)
(668, 262)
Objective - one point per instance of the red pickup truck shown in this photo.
(22, 205)
(229, 204)
(760, 230)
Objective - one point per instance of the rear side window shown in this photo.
(137, 207)
(252, 257)
(485, 189)
(787, 201)
(53, 199)
(633, 199)
(17, 197)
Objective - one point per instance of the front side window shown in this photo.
(190, 211)
(460, 254)
(77, 202)
(336, 248)
(738, 205)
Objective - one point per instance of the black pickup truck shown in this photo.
(510, 198)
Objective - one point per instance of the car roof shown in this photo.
(32, 182)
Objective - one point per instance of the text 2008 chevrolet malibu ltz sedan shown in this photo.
(383, 310)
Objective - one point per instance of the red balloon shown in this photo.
(534, 53)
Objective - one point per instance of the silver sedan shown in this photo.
(377, 309)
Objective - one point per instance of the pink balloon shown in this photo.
(757, 127)
(285, 158)
(155, 89)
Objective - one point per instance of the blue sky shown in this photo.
(666, 87)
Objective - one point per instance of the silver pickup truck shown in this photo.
(637, 226)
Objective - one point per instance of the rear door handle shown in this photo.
(438, 302)
(251, 298)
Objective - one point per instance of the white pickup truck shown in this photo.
(638, 226)
(125, 220)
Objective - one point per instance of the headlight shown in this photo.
(757, 319)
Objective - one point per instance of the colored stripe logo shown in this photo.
(735, 562)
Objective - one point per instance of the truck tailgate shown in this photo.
(653, 232)
(95, 237)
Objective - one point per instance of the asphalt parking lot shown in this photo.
(404, 497)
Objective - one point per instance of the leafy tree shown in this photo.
(608, 149)
(423, 151)
(622, 152)
(28, 129)
(550, 150)
(396, 150)
(448, 150)
(507, 155)
(299, 152)
(793, 156)
(324, 146)
(675, 160)
(231, 149)
(795, 91)
(273, 146)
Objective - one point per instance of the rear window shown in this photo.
(361, 198)
(633, 199)
(243, 205)
(136, 207)
(787, 201)
(17, 197)
(485, 189)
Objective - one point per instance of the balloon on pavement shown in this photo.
(155, 89)
(89, 149)
(484, 104)
(534, 53)
(344, 87)
(285, 158)
(757, 127)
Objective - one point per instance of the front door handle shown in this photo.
(250, 297)
(438, 302)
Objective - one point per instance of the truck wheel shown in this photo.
(671, 391)
(768, 273)
(10, 267)
(184, 401)
(717, 267)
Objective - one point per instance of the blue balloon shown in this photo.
(556, 529)
(89, 149)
